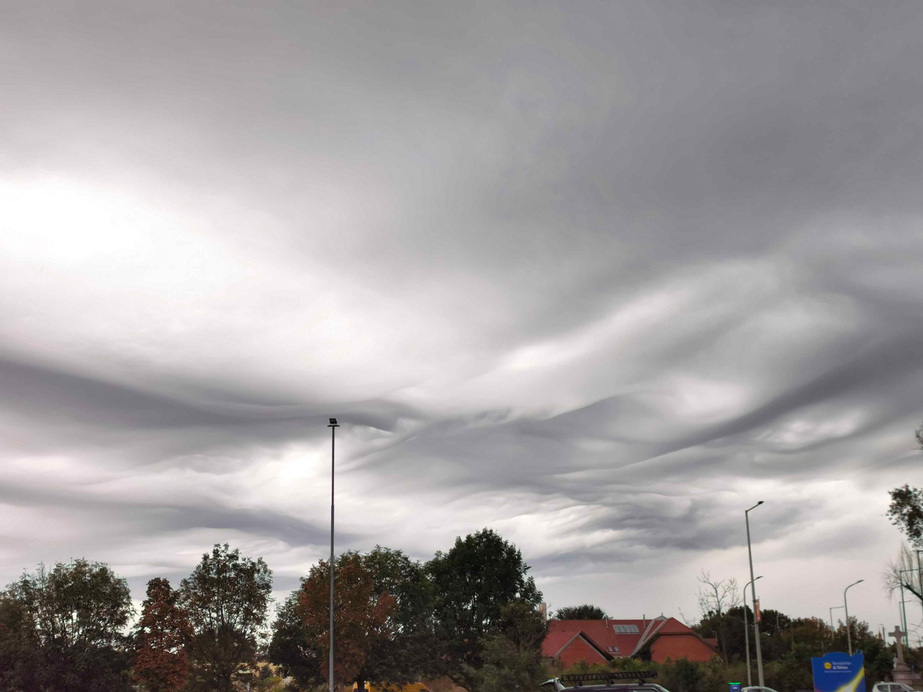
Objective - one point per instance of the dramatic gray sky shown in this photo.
(599, 276)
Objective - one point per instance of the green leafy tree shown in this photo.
(512, 651)
(161, 661)
(63, 630)
(474, 581)
(580, 612)
(906, 512)
(226, 598)
(411, 651)
(906, 508)
(290, 648)
(684, 676)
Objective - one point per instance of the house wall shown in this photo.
(679, 646)
(579, 650)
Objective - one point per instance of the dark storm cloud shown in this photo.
(66, 407)
(598, 275)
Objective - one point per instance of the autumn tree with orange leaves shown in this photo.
(161, 662)
(363, 616)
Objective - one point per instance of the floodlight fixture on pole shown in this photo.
(747, 632)
(333, 429)
(846, 607)
(756, 620)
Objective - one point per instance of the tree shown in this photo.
(363, 615)
(411, 651)
(290, 648)
(906, 508)
(905, 573)
(480, 575)
(64, 629)
(715, 599)
(226, 598)
(580, 612)
(161, 661)
(906, 512)
(512, 651)
(400, 650)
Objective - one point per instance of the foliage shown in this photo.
(161, 661)
(683, 676)
(289, 648)
(580, 612)
(62, 630)
(363, 615)
(512, 652)
(411, 652)
(226, 597)
(480, 575)
(715, 599)
(906, 512)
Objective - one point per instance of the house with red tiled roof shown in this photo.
(600, 641)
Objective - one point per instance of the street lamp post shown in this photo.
(846, 607)
(333, 433)
(747, 632)
(756, 620)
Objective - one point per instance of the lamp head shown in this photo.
(333, 423)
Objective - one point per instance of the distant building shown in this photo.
(599, 641)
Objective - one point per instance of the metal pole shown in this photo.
(756, 622)
(747, 632)
(333, 429)
(747, 637)
(846, 607)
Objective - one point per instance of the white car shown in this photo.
(892, 687)
(757, 688)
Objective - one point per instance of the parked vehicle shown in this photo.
(892, 687)
(608, 682)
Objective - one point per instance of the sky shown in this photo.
(598, 276)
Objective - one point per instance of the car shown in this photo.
(607, 682)
(892, 687)
(757, 688)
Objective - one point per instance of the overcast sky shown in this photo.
(599, 276)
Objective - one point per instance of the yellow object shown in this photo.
(412, 687)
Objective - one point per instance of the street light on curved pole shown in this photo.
(846, 606)
(747, 631)
(756, 621)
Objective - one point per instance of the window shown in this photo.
(614, 650)
(625, 629)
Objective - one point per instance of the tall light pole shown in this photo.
(756, 620)
(333, 434)
(846, 606)
(747, 632)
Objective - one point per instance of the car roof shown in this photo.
(618, 686)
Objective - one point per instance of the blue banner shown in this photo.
(839, 672)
